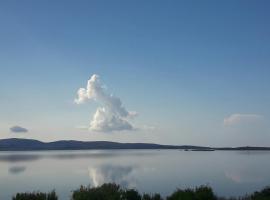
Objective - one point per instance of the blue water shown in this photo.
(229, 173)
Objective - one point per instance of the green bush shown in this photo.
(35, 196)
(104, 192)
(151, 197)
(112, 191)
(204, 193)
(262, 195)
(130, 195)
(200, 193)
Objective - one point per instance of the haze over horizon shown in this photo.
(136, 71)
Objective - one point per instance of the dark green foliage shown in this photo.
(204, 193)
(114, 192)
(200, 193)
(151, 197)
(187, 194)
(262, 195)
(104, 192)
(146, 197)
(131, 195)
(35, 196)
(111, 191)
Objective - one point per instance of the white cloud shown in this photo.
(236, 119)
(112, 115)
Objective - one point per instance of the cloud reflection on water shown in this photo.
(244, 176)
(122, 175)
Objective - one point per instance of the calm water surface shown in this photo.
(230, 173)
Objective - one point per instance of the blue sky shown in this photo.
(184, 66)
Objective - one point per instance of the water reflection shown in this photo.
(19, 157)
(83, 155)
(229, 173)
(16, 169)
(112, 174)
(244, 176)
(26, 156)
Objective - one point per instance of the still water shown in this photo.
(229, 173)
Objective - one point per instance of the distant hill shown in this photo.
(16, 144)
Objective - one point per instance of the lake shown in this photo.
(229, 173)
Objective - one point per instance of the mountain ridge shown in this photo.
(18, 144)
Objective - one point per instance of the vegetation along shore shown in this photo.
(112, 191)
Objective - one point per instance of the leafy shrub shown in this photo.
(200, 193)
(151, 197)
(262, 195)
(131, 195)
(35, 196)
(112, 191)
(106, 191)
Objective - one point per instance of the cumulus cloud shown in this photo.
(236, 119)
(18, 129)
(112, 115)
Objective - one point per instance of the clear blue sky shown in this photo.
(184, 66)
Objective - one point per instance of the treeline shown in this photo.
(111, 191)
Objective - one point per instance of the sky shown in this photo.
(169, 72)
